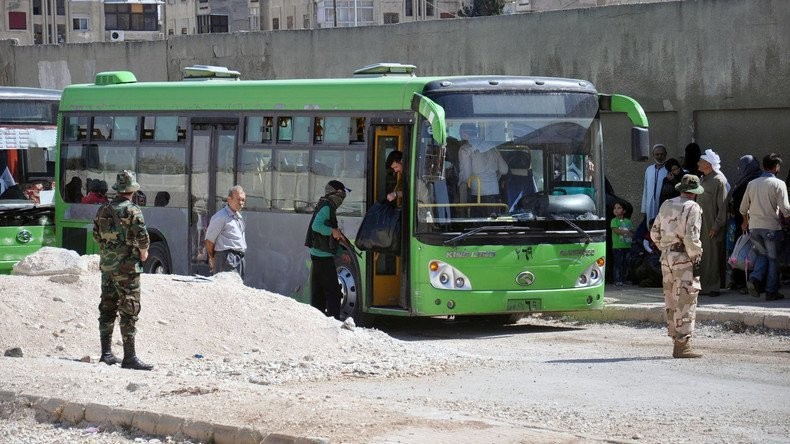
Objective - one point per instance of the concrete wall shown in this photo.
(713, 71)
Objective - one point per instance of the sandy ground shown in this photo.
(233, 355)
(215, 339)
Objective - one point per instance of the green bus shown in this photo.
(539, 248)
(28, 119)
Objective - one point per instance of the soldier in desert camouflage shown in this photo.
(119, 229)
(676, 232)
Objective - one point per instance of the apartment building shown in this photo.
(34, 22)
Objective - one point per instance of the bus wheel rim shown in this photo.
(348, 288)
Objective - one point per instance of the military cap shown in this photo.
(690, 184)
(126, 182)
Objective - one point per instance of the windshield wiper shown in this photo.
(476, 230)
(575, 227)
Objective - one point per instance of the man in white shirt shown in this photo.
(480, 167)
(765, 197)
(225, 242)
(654, 176)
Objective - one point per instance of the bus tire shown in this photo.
(158, 261)
(349, 278)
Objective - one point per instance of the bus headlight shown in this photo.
(446, 277)
(592, 276)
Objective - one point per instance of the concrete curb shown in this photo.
(150, 422)
(655, 313)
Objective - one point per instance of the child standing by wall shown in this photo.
(622, 232)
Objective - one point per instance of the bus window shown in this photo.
(226, 162)
(290, 180)
(162, 171)
(346, 166)
(360, 132)
(164, 128)
(102, 128)
(284, 129)
(318, 130)
(76, 128)
(124, 128)
(258, 129)
(336, 130)
(301, 132)
(255, 176)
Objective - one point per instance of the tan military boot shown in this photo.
(683, 350)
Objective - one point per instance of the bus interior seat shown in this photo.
(520, 182)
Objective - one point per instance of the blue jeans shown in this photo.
(766, 267)
(620, 272)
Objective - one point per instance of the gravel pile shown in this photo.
(197, 327)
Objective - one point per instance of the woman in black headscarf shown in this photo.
(748, 170)
(674, 174)
(691, 158)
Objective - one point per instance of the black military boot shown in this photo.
(106, 351)
(130, 357)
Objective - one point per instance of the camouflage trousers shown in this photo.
(120, 295)
(681, 289)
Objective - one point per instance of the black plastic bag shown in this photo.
(380, 229)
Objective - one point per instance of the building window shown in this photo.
(61, 34)
(429, 8)
(349, 13)
(275, 23)
(219, 23)
(391, 17)
(212, 23)
(131, 17)
(184, 31)
(60, 5)
(306, 21)
(36, 7)
(409, 8)
(202, 24)
(290, 22)
(38, 34)
(80, 23)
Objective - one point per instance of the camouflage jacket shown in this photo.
(120, 243)
(678, 222)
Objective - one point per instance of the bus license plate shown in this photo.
(523, 305)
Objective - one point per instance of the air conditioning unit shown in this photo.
(116, 36)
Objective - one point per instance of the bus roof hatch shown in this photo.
(208, 72)
(386, 69)
(115, 78)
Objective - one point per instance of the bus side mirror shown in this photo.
(640, 144)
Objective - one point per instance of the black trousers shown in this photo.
(325, 289)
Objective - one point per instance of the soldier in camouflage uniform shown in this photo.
(676, 232)
(120, 231)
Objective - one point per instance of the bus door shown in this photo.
(387, 268)
(213, 160)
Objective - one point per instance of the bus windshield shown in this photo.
(513, 159)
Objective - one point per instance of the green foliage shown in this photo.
(480, 8)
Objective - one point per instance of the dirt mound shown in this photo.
(196, 326)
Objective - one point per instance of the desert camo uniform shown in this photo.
(676, 232)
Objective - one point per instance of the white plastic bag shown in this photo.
(743, 254)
